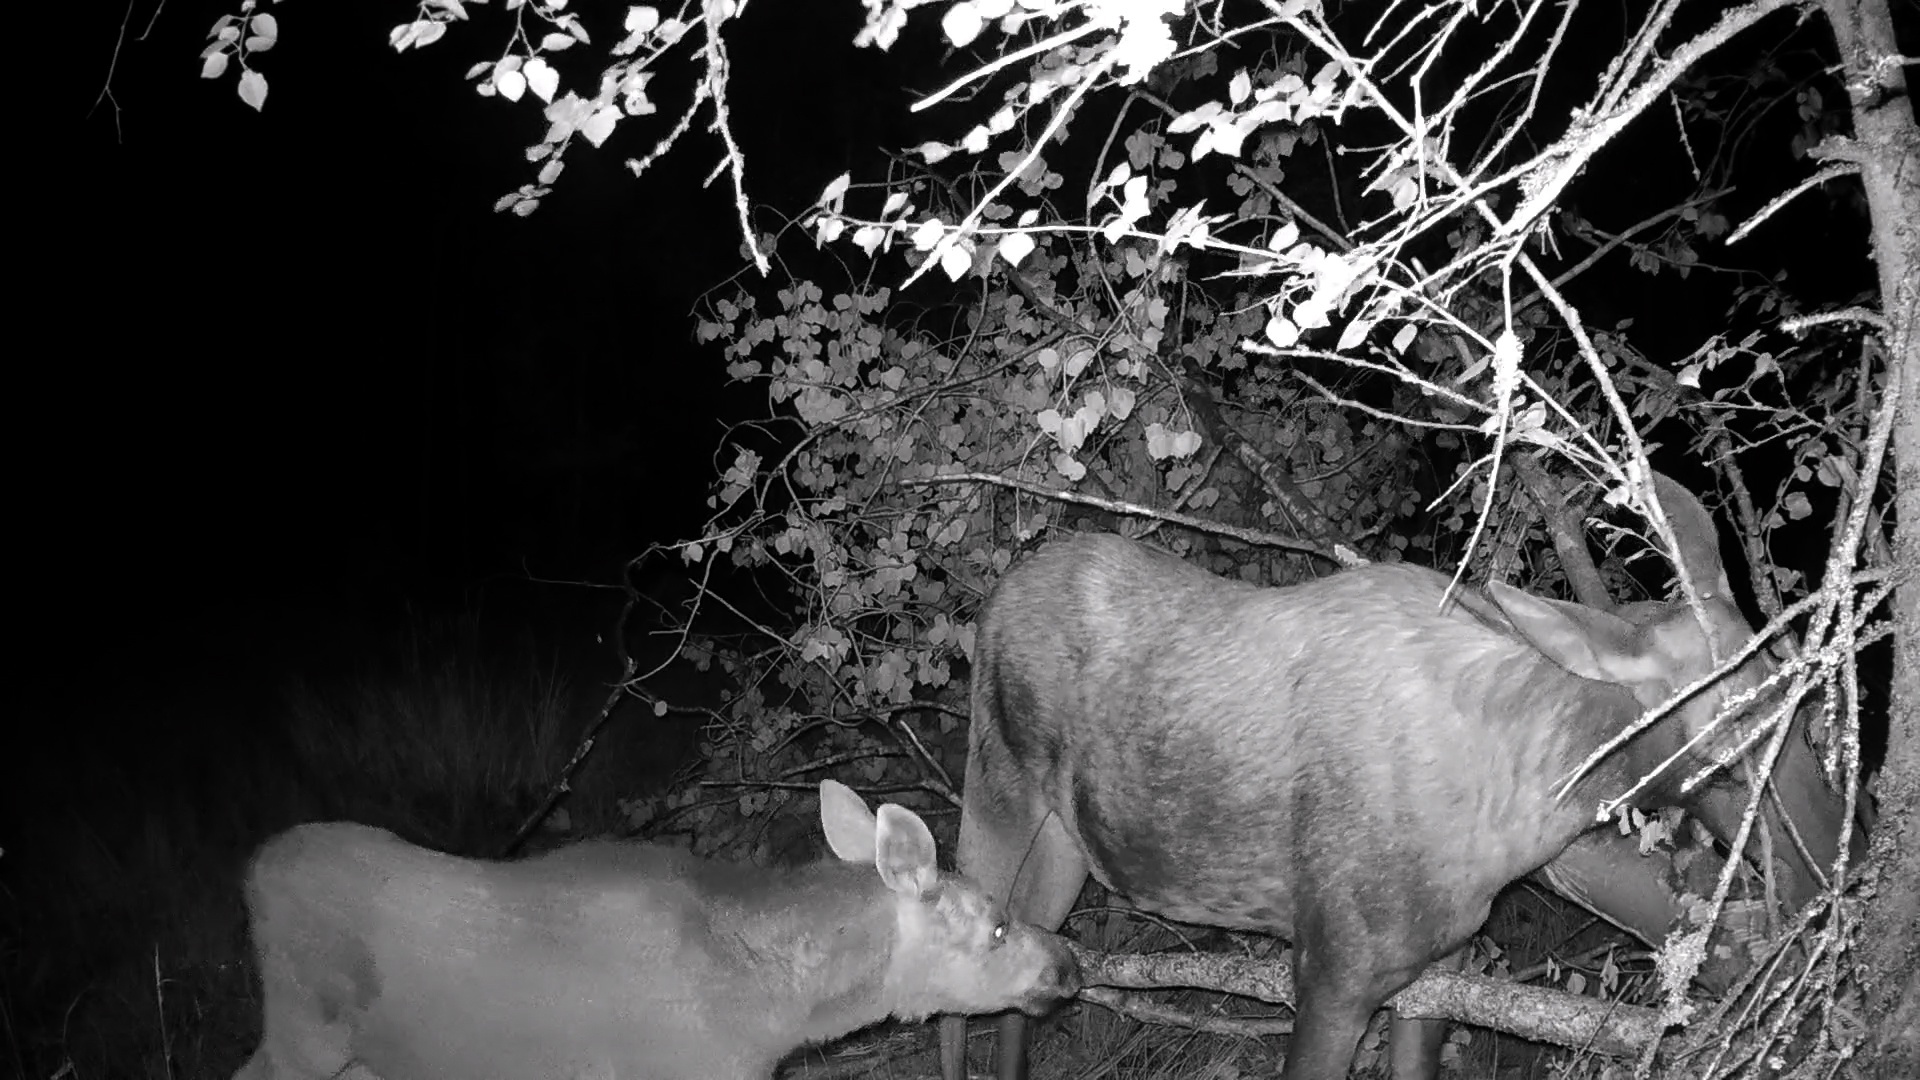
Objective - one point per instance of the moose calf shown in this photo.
(608, 960)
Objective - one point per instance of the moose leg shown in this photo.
(1414, 1045)
(1016, 848)
(1042, 894)
(1344, 969)
(1330, 1014)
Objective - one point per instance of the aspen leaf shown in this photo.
(928, 234)
(1159, 441)
(956, 261)
(510, 82)
(253, 89)
(600, 125)
(1072, 433)
(542, 79)
(1240, 87)
(962, 23)
(1014, 247)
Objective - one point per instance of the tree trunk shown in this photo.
(1886, 148)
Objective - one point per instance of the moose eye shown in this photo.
(1000, 933)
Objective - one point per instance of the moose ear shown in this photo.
(848, 823)
(1584, 640)
(906, 856)
(1698, 537)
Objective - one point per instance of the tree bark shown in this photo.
(1886, 149)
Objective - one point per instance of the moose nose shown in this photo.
(1059, 978)
(1067, 977)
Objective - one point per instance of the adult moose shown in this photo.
(1346, 762)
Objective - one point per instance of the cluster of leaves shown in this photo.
(238, 39)
(529, 64)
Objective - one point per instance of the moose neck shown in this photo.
(1553, 721)
(822, 940)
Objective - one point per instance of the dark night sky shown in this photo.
(275, 354)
